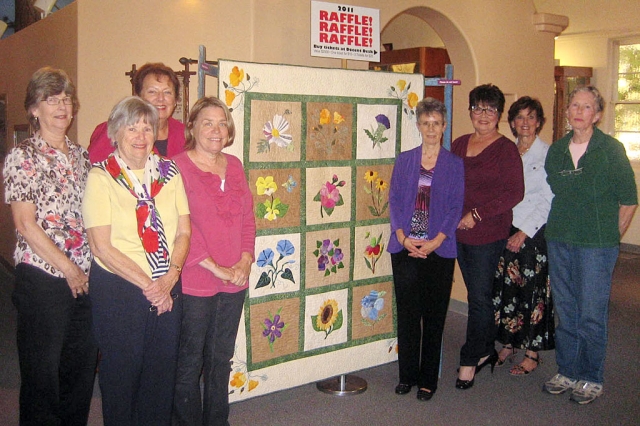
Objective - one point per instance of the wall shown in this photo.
(587, 42)
(406, 31)
(27, 51)
(227, 33)
(487, 42)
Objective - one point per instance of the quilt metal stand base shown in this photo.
(346, 384)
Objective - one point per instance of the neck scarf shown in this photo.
(158, 172)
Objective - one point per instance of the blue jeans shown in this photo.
(207, 344)
(581, 284)
(478, 265)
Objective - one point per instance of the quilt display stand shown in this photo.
(343, 385)
(318, 147)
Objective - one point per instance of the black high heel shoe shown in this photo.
(465, 384)
(511, 354)
(491, 360)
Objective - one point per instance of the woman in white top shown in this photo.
(522, 297)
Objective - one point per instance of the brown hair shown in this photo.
(47, 82)
(526, 102)
(158, 69)
(203, 103)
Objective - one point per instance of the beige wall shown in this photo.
(589, 43)
(487, 41)
(53, 42)
(406, 31)
(246, 30)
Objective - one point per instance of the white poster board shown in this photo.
(345, 32)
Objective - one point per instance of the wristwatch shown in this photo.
(178, 268)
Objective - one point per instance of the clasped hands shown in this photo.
(420, 248)
(158, 293)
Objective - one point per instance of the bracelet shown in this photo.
(176, 267)
(403, 240)
(475, 215)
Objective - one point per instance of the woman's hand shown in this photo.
(158, 293)
(241, 270)
(515, 242)
(466, 222)
(424, 247)
(414, 247)
(24, 218)
(223, 273)
(77, 280)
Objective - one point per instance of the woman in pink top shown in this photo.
(215, 275)
(157, 84)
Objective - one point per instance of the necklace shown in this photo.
(525, 151)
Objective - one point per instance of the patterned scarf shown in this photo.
(158, 171)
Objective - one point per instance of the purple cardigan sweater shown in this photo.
(445, 206)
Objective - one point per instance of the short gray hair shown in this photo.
(429, 106)
(128, 112)
(589, 89)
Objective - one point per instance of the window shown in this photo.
(627, 99)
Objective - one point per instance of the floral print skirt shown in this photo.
(522, 296)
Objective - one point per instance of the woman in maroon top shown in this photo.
(494, 184)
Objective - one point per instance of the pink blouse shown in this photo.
(223, 224)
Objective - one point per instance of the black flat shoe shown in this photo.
(403, 389)
(424, 395)
(465, 384)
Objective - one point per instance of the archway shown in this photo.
(440, 31)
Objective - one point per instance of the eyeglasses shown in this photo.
(52, 100)
(477, 110)
(575, 172)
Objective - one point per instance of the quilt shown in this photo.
(318, 147)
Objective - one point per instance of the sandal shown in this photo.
(520, 370)
(510, 351)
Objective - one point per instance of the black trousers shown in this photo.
(56, 349)
(139, 351)
(207, 344)
(423, 290)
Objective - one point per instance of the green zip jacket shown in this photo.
(587, 199)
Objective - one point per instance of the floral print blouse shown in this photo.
(36, 173)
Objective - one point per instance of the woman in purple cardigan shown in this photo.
(493, 186)
(425, 205)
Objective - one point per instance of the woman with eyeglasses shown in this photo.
(44, 180)
(157, 84)
(494, 184)
(595, 197)
(522, 296)
(425, 205)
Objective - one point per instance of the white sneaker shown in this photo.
(585, 392)
(559, 384)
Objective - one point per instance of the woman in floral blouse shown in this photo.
(44, 180)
